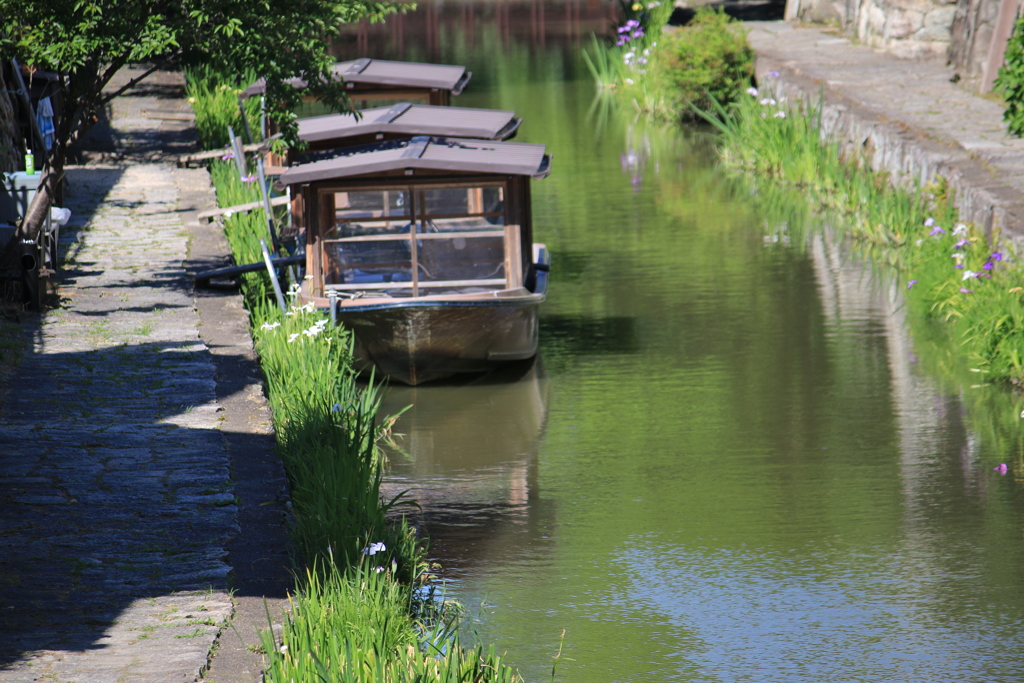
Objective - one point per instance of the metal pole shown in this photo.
(245, 120)
(266, 201)
(23, 91)
(236, 149)
(273, 276)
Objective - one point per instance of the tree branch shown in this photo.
(135, 81)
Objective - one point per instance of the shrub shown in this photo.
(709, 57)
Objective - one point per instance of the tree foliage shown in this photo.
(87, 41)
(1010, 81)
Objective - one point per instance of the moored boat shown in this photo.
(377, 82)
(423, 248)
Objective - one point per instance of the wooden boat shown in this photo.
(423, 248)
(379, 82)
(402, 120)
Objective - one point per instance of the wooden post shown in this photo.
(792, 12)
(513, 258)
(1005, 20)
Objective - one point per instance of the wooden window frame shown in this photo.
(509, 232)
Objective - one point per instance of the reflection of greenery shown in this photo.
(956, 273)
(705, 405)
(967, 339)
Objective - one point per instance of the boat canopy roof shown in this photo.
(426, 153)
(412, 119)
(383, 73)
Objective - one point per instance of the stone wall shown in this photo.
(907, 28)
(972, 31)
(958, 30)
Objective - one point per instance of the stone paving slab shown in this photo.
(905, 116)
(117, 503)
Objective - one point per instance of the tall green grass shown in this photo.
(214, 99)
(953, 274)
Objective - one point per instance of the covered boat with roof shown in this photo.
(379, 81)
(423, 247)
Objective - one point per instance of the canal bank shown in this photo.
(905, 117)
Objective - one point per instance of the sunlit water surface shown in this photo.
(727, 464)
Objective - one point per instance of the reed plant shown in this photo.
(214, 95)
(353, 626)
(954, 275)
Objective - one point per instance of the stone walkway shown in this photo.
(118, 506)
(907, 116)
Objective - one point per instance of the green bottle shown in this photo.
(30, 164)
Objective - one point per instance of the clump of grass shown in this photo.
(953, 273)
(214, 99)
(353, 626)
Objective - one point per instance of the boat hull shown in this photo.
(416, 342)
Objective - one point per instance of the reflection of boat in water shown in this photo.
(423, 248)
(469, 460)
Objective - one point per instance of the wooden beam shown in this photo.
(1005, 20)
(211, 154)
(209, 215)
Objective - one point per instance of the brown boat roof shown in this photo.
(380, 72)
(412, 119)
(427, 153)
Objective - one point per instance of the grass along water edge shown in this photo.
(362, 609)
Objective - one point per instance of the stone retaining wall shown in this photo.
(907, 154)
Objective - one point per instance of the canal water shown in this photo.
(730, 461)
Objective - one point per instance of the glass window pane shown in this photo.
(370, 212)
(469, 223)
(368, 227)
(462, 258)
(367, 262)
(371, 204)
(460, 201)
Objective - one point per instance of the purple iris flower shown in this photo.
(989, 265)
(995, 256)
(959, 266)
(929, 222)
(966, 291)
(937, 230)
(911, 284)
(961, 244)
(1001, 469)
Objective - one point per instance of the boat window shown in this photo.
(368, 240)
(449, 238)
(370, 212)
